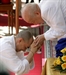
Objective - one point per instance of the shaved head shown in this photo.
(31, 13)
(28, 11)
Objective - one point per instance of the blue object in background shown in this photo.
(60, 45)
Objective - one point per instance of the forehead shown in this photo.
(30, 20)
(28, 43)
(27, 17)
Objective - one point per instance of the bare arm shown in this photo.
(33, 50)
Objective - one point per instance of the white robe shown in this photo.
(53, 12)
(14, 61)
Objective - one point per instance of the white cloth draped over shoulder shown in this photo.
(53, 12)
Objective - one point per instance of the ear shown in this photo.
(37, 13)
(20, 39)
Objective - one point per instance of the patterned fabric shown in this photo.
(60, 45)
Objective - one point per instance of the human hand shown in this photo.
(39, 40)
(34, 48)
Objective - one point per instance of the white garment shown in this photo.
(53, 12)
(14, 61)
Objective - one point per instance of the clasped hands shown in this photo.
(37, 43)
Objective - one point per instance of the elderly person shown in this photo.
(53, 12)
(12, 52)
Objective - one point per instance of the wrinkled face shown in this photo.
(23, 45)
(34, 20)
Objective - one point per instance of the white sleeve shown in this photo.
(13, 62)
(55, 19)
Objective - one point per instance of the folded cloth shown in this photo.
(59, 46)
